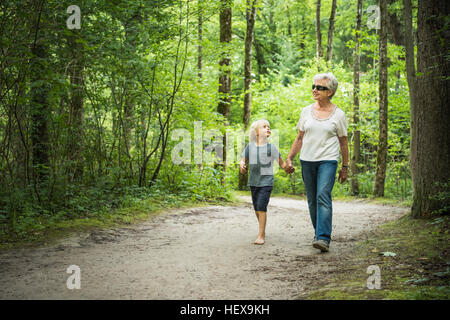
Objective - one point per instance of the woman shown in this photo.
(322, 132)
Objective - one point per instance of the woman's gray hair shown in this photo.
(332, 82)
(255, 126)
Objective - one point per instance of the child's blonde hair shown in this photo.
(255, 126)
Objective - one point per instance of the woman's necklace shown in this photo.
(324, 112)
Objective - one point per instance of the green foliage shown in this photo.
(419, 270)
(140, 83)
(281, 104)
(443, 196)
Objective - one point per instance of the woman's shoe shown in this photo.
(322, 245)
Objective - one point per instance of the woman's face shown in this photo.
(321, 95)
(264, 131)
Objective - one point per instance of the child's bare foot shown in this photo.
(259, 241)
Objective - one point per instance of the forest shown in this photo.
(115, 112)
(107, 103)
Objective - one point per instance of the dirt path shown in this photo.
(198, 253)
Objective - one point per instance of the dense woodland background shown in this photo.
(87, 115)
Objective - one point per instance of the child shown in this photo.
(260, 156)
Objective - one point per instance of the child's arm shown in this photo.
(283, 165)
(242, 166)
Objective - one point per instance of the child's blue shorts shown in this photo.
(261, 197)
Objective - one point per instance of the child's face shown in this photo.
(264, 131)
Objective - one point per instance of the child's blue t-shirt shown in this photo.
(260, 160)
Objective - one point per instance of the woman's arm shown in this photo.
(343, 173)
(296, 147)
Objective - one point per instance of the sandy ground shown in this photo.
(197, 253)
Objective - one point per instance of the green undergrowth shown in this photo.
(43, 230)
(273, 194)
(413, 258)
(342, 198)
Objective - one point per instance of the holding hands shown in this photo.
(288, 167)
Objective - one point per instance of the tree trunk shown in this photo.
(259, 55)
(356, 132)
(396, 31)
(411, 77)
(200, 50)
(39, 104)
(200, 38)
(19, 141)
(302, 40)
(331, 31)
(380, 174)
(431, 152)
(128, 121)
(289, 26)
(224, 79)
(251, 13)
(178, 72)
(319, 51)
(75, 138)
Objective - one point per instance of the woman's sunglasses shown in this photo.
(320, 88)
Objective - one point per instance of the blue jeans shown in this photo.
(319, 177)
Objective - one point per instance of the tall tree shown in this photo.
(380, 174)
(430, 154)
(331, 31)
(259, 56)
(200, 38)
(411, 76)
(395, 27)
(319, 50)
(250, 18)
(356, 132)
(75, 136)
(224, 78)
(40, 89)
(179, 65)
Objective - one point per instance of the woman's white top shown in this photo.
(320, 140)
